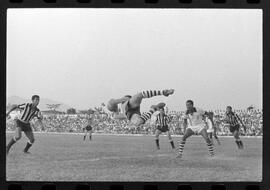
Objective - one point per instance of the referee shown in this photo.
(233, 120)
(162, 121)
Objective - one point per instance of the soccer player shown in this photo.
(212, 127)
(233, 120)
(88, 129)
(196, 125)
(130, 105)
(162, 121)
(29, 111)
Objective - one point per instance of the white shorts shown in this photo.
(197, 128)
(210, 130)
(209, 127)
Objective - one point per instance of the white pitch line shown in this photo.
(114, 158)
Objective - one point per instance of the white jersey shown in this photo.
(196, 118)
(122, 111)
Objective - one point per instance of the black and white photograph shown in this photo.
(104, 94)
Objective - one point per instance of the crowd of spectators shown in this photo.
(105, 123)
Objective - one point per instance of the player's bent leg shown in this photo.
(18, 133)
(203, 132)
(85, 134)
(136, 120)
(210, 136)
(147, 115)
(137, 98)
(237, 139)
(216, 137)
(90, 135)
(157, 133)
(182, 143)
(30, 136)
(170, 139)
(17, 136)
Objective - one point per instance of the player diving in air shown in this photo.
(130, 105)
(196, 125)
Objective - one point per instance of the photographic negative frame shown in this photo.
(151, 4)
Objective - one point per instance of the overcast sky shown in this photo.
(84, 57)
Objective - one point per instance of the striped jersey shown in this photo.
(232, 118)
(28, 112)
(162, 120)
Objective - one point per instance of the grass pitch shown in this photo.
(66, 157)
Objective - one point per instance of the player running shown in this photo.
(29, 111)
(211, 127)
(233, 120)
(196, 125)
(88, 129)
(130, 105)
(162, 121)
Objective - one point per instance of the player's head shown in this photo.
(35, 100)
(211, 115)
(228, 109)
(162, 110)
(189, 104)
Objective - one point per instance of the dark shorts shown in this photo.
(130, 111)
(163, 129)
(234, 128)
(24, 126)
(88, 128)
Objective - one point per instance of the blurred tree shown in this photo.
(53, 107)
(71, 111)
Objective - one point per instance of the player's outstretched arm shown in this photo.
(12, 108)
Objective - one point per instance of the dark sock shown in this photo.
(241, 144)
(157, 143)
(90, 137)
(28, 145)
(84, 137)
(172, 144)
(11, 142)
(238, 143)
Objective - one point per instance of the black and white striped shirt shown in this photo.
(232, 119)
(163, 120)
(28, 112)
